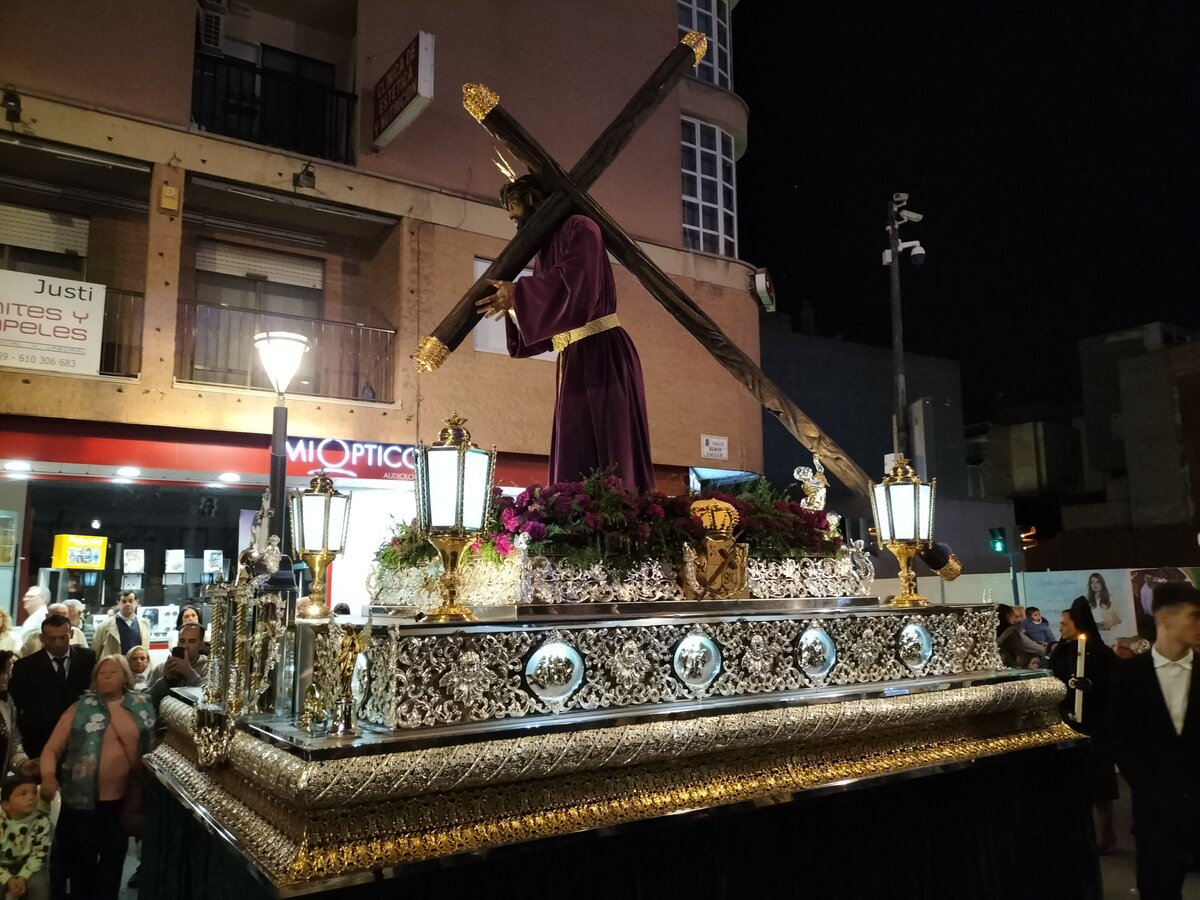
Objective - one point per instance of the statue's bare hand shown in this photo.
(496, 305)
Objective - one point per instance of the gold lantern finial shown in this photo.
(453, 434)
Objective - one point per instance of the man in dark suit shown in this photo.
(1154, 706)
(45, 684)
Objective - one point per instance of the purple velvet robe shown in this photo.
(600, 409)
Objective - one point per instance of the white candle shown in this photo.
(1080, 655)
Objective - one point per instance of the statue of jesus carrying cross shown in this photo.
(569, 305)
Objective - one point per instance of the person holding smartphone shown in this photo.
(186, 666)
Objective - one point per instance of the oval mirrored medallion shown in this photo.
(817, 652)
(697, 660)
(554, 671)
(915, 646)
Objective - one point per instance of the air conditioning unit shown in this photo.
(221, 6)
(210, 28)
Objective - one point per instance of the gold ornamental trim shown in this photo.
(561, 342)
(327, 860)
(479, 100)
(430, 354)
(698, 44)
(298, 830)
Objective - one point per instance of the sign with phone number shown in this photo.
(50, 324)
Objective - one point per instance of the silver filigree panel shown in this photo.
(419, 680)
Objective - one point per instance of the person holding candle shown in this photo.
(1155, 724)
(1083, 662)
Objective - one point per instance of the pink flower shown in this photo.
(503, 545)
(655, 511)
(642, 532)
(593, 522)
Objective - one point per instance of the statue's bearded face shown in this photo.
(518, 211)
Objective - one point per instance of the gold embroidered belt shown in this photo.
(562, 341)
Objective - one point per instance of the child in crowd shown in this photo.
(1037, 627)
(25, 839)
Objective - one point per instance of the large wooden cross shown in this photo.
(568, 196)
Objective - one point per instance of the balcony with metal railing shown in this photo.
(345, 360)
(267, 106)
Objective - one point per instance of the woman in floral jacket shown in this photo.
(100, 740)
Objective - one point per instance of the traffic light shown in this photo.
(1029, 538)
(999, 541)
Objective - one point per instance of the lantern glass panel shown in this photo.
(312, 522)
(881, 513)
(925, 519)
(339, 509)
(903, 505)
(443, 486)
(475, 488)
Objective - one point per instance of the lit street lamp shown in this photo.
(280, 353)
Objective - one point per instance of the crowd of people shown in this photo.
(75, 722)
(1142, 715)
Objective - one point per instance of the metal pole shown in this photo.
(900, 420)
(278, 477)
(1012, 571)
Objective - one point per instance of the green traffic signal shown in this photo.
(999, 541)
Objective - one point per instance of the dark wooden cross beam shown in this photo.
(569, 196)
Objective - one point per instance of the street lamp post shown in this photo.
(902, 505)
(897, 214)
(280, 353)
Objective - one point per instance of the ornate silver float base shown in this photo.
(305, 823)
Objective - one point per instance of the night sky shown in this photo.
(1052, 149)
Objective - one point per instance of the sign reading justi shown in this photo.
(50, 324)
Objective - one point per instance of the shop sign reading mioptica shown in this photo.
(352, 459)
(50, 324)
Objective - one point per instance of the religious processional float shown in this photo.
(577, 657)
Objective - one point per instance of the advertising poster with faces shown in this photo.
(1141, 583)
(1106, 591)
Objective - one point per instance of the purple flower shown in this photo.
(535, 530)
(593, 522)
(655, 511)
(642, 532)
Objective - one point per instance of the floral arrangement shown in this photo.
(598, 520)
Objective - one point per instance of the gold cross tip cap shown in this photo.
(697, 42)
(430, 354)
(479, 100)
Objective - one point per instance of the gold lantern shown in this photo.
(454, 494)
(903, 508)
(320, 517)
